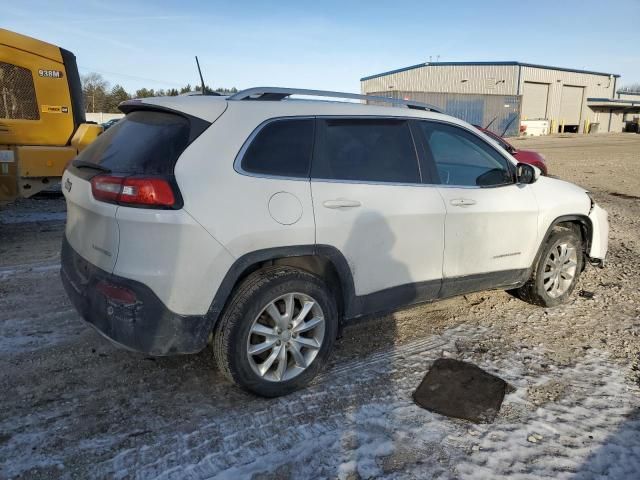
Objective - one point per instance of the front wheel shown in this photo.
(556, 273)
(277, 331)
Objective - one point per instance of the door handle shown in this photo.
(341, 203)
(462, 202)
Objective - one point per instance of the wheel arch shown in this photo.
(323, 260)
(585, 228)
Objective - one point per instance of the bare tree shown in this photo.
(94, 91)
(631, 88)
(98, 97)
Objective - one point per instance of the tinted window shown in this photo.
(377, 150)
(283, 148)
(143, 142)
(462, 158)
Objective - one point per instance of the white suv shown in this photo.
(264, 221)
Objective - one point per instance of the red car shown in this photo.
(525, 156)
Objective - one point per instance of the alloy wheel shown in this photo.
(560, 269)
(286, 337)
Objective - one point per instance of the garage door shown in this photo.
(534, 100)
(571, 104)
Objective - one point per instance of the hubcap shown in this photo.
(286, 337)
(560, 269)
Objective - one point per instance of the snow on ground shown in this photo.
(75, 407)
(363, 423)
(9, 217)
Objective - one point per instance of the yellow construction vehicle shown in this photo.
(42, 120)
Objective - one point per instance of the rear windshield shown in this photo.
(147, 142)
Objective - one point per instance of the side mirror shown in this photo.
(526, 173)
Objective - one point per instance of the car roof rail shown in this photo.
(278, 93)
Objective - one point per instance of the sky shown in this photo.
(325, 45)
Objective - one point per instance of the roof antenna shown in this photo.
(201, 79)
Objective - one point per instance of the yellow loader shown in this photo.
(42, 120)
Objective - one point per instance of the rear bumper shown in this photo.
(134, 317)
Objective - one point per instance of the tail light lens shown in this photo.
(135, 191)
(116, 293)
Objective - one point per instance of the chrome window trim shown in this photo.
(237, 163)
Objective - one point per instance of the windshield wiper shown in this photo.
(83, 164)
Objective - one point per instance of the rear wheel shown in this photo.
(277, 331)
(556, 273)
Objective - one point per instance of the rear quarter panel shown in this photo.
(232, 207)
(172, 254)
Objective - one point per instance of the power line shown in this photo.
(134, 77)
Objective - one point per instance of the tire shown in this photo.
(538, 290)
(241, 331)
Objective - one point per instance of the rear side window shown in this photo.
(144, 142)
(282, 148)
(368, 150)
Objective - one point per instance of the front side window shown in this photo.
(281, 148)
(463, 159)
(367, 150)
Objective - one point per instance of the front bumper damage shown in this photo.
(599, 235)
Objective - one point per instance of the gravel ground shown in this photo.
(74, 406)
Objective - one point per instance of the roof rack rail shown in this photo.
(277, 93)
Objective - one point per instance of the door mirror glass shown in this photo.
(527, 173)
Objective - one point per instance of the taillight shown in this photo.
(116, 293)
(142, 191)
(106, 188)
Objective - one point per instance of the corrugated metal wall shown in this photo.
(595, 86)
(495, 80)
(501, 111)
(492, 79)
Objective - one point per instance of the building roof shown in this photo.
(612, 102)
(512, 63)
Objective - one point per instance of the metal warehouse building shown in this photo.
(506, 94)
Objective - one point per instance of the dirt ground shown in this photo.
(74, 406)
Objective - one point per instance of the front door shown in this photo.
(491, 224)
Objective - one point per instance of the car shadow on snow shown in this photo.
(335, 427)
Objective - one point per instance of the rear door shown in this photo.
(491, 223)
(369, 203)
(143, 143)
